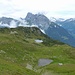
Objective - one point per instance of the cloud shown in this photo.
(19, 8)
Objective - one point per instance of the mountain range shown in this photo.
(69, 25)
(51, 29)
(31, 46)
(62, 30)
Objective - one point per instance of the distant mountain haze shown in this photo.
(69, 25)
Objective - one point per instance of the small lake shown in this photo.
(44, 62)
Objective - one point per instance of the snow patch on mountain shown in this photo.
(61, 19)
(52, 19)
(71, 19)
(56, 19)
(59, 24)
(55, 26)
(42, 31)
(38, 41)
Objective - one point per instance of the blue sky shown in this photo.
(51, 8)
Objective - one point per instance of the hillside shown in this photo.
(20, 52)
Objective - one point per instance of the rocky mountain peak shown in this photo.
(38, 19)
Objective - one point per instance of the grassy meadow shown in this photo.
(19, 53)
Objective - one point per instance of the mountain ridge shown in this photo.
(40, 21)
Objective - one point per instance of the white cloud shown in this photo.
(13, 24)
(19, 8)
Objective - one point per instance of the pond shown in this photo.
(44, 62)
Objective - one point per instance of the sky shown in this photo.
(50, 8)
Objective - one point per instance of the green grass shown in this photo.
(19, 49)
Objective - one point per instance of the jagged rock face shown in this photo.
(38, 19)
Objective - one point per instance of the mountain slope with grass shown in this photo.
(20, 53)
